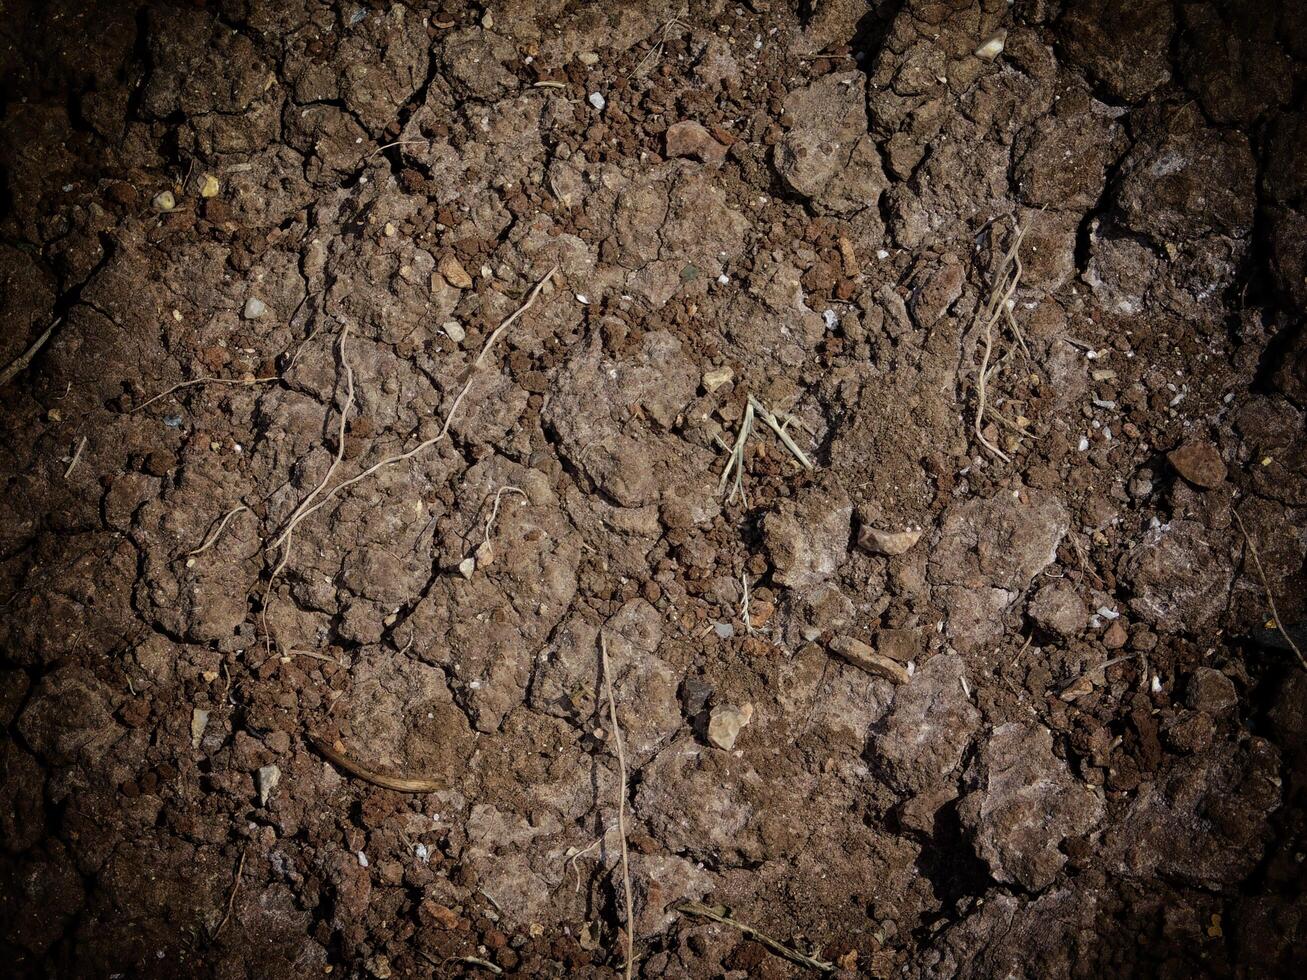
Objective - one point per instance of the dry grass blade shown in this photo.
(621, 805)
(768, 416)
(399, 784)
(76, 456)
(1270, 598)
(775, 945)
(735, 464)
(20, 362)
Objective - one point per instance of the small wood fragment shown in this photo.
(863, 657)
(398, 783)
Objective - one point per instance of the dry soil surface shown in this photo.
(992, 315)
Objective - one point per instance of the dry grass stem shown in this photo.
(1266, 585)
(217, 532)
(656, 52)
(768, 416)
(20, 362)
(76, 456)
(621, 804)
(735, 464)
(776, 946)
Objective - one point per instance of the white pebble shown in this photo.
(255, 308)
(363, 860)
(992, 48)
(598, 101)
(1084, 443)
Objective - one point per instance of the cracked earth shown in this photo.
(976, 694)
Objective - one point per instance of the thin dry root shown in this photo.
(20, 362)
(775, 945)
(302, 513)
(236, 382)
(217, 532)
(621, 805)
(1270, 598)
(987, 317)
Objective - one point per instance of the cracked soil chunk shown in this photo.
(1026, 802)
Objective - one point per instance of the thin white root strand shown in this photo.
(217, 532)
(621, 805)
(304, 512)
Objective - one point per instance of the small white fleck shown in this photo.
(598, 101)
(581, 298)
(1084, 443)
(363, 860)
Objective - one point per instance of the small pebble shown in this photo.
(714, 379)
(588, 58)
(598, 101)
(255, 308)
(454, 273)
(454, 331)
(725, 722)
(993, 47)
(164, 201)
(209, 186)
(265, 781)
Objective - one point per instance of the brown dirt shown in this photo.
(1095, 765)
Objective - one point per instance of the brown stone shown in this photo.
(1199, 463)
(689, 139)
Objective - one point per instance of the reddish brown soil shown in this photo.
(1083, 753)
